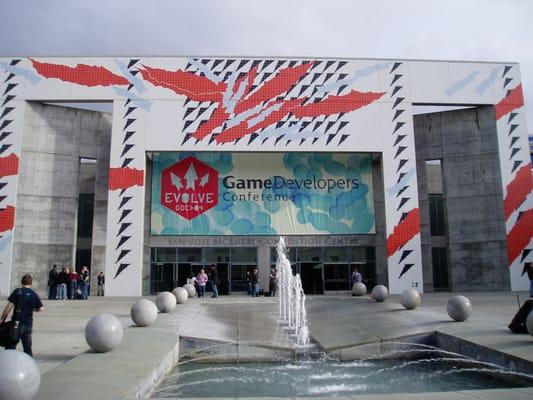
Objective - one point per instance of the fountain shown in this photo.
(291, 297)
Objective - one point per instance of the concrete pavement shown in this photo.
(341, 324)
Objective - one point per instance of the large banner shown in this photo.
(200, 193)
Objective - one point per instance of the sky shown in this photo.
(470, 30)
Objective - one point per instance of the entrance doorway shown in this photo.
(310, 269)
(337, 276)
(311, 275)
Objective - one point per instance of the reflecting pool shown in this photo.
(428, 373)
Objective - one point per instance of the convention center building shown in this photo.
(195, 162)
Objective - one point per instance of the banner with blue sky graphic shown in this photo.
(224, 193)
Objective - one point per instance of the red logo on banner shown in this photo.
(189, 188)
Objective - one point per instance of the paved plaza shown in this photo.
(340, 324)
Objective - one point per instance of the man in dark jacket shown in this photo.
(255, 283)
(215, 281)
(24, 301)
(62, 279)
(52, 283)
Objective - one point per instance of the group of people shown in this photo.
(201, 279)
(253, 286)
(68, 284)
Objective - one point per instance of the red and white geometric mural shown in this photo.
(267, 104)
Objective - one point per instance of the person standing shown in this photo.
(52, 283)
(62, 278)
(73, 284)
(248, 281)
(100, 281)
(84, 282)
(201, 280)
(273, 282)
(356, 277)
(528, 268)
(215, 281)
(255, 283)
(24, 301)
(69, 294)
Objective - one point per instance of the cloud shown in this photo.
(488, 30)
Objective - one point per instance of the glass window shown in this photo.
(358, 254)
(436, 214)
(309, 254)
(336, 254)
(188, 255)
(85, 214)
(216, 254)
(434, 176)
(440, 268)
(244, 254)
(165, 254)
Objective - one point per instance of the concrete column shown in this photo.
(404, 256)
(100, 211)
(11, 126)
(515, 167)
(126, 200)
(263, 265)
(379, 215)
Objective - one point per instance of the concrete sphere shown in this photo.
(143, 312)
(103, 332)
(191, 290)
(410, 299)
(181, 295)
(358, 289)
(380, 293)
(20, 377)
(529, 323)
(459, 308)
(165, 302)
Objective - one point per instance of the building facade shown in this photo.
(207, 161)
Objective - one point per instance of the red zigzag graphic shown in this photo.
(514, 100)
(82, 74)
(518, 190)
(123, 178)
(520, 236)
(7, 218)
(9, 165)
(404, 231)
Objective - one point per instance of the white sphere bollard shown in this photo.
(358, 289)
(410, 299)
(180, 294)
(103, 332)
(529, 323)
(459, 308)
(165, 302)
(143, 312)
(20, 377)
(191, 290)
(380, 293)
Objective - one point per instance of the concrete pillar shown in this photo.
(378, 241)
(126, 201)
(11, 122)
(404, 257)
(515, 167)
(99, 235)
(263, 265)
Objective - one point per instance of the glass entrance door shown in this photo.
(240, 276)
(310, 269)
(337, 276)
(220, 258)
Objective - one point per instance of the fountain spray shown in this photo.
(291, 297)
